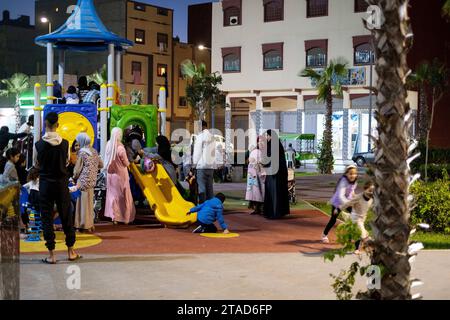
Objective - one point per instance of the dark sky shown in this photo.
(26, 7)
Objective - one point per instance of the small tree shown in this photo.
(326, 82)
(16, 85)
(202, 91)
(438, 81)
(419, 80)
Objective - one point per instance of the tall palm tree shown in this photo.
(391, 171)
(419, 80)
(202, 91)
(438, 82)
(16, 85)
(326, 82)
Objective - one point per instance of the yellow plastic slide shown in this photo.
(169, 206)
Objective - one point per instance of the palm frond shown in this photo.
(310, 73)
(446, 9)
(338, 88)
(438, 75)
(188, 69)
(201, 69)
(15, 85)
(100, 77)
(322, 93)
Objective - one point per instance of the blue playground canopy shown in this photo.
(83, 31)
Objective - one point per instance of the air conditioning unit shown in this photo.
(234, 20)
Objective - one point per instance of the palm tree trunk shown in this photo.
(433, 105)
(17, 113)
(391, 173)
(328, 134)
(423, 114)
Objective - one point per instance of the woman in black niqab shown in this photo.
(276, 198)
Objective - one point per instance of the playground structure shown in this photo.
(306, 143)
(83, 31)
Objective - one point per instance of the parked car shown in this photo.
(363, 158)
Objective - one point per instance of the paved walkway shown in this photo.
(272, 259)
(212, 276)
(300, 231)
(310, 188)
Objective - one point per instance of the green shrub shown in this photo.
(433, 203)
(435, 171)
(436, 156)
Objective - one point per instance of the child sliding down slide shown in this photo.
(208, 212)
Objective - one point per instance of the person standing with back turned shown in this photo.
(52, 160)
(204, 160)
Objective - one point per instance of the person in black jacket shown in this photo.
(5, 136)
(52, 160)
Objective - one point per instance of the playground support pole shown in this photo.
(118, 67)
(61, 68)
(110, 75)
(49, 73)
(37, 117)
(103, 120)
(162, 110)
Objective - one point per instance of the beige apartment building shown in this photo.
(182, 115)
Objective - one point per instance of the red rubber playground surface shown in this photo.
(298, 232)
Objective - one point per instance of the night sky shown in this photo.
(26, 7)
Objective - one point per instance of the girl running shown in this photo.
(344, 192)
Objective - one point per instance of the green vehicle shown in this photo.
(307, 145)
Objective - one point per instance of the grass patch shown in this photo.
(306, 174)
(235, 200)
(432, 240)
(323, 206)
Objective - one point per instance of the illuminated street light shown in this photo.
(202, 47)
(45, 20)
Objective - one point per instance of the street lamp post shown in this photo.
(45, 20)
(201, 47)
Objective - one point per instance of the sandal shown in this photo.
(47, 261)
(78, 257)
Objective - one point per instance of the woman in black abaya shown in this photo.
(276, 198)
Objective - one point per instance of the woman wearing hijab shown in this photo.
(165, 152)
(276, 197)
(85, 172)
(255, 178)
(119, 204)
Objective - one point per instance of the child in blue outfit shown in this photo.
(208, 212)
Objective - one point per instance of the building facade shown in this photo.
(261, 46)
(432, 41)
(16, 43)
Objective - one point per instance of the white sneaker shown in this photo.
(325, 239)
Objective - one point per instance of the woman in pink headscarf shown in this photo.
(119, 202)
(255, 177)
